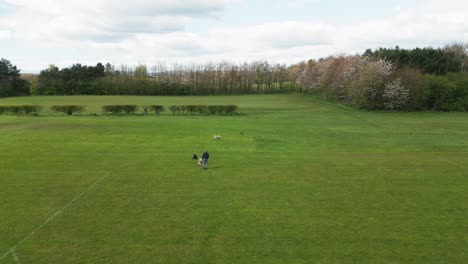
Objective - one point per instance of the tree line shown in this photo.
(391, 79)
(429, 60)
(207, 79)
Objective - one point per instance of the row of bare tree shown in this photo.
(210, 78)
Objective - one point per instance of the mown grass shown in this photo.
(308, 182)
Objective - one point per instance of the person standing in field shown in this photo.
(205, 158)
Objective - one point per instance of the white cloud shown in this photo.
(423, 25)
(5, 35)
(104, 19)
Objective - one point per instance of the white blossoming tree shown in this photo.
(357, 80)
(395, 95)
(367, 88)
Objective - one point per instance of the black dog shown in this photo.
(195, 156)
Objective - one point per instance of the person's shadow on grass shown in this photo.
(215, 168)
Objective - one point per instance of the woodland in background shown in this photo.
(391, 79)
(383, 79)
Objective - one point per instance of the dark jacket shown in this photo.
(205, 156)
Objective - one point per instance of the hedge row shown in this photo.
(119, 109)
(204, 109)
(68, 109)
(36, 109)
(124, 109)
(20, 109)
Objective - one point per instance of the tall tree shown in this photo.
(11, 83)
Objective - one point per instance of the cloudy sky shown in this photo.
(36, 33)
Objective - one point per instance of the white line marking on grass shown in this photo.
(12, 249)
(15, 257)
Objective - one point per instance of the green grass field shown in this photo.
(308, 182)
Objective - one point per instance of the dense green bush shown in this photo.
(221, 109)
(204, 109)
(413, 80)
(119, 109)
(10, 109)
(173, 108)
(190, 108)
(130, 109)
(213, 109)
(68, 109)
(181, 108)
(113, 109)
(231, 109)
(446, 93)
(20, 109)
(157, 108)
(31, 109)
